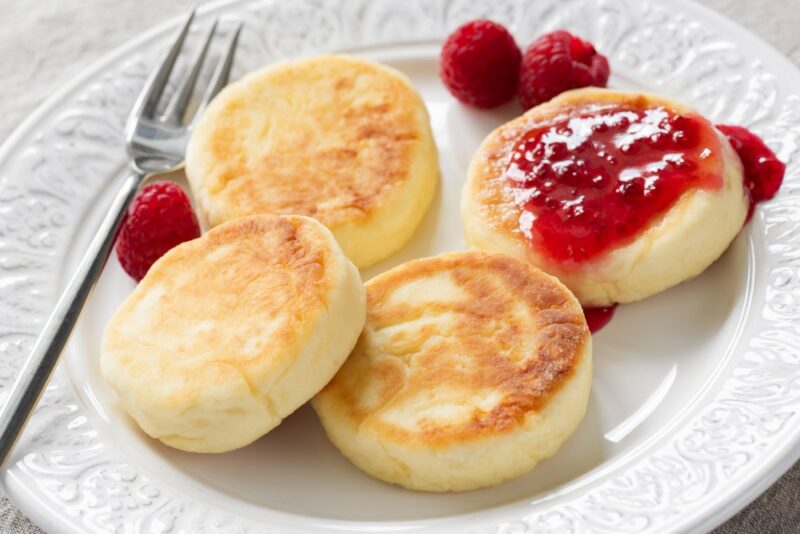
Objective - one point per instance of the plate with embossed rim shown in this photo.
(696, 392)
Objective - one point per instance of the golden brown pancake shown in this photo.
(344, 140)
(229, 333)
(471, 368)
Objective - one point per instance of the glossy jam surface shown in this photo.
(591, 179)
(763, 171)
(597, 318)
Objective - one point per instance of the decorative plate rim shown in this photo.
(783, 451)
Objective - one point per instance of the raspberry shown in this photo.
(159, 218)
(480, 64)
(557, 62)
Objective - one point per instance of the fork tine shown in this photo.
(148, 98)
(223, 70)
(180, 101)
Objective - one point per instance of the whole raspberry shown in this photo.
(557, 62)
(159, 218)
(480, 64)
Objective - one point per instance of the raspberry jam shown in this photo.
(763, 171)
(593, 178)
(597, 318)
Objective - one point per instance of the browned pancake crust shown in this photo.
(255, 269)
(514, 330)
(335, 158)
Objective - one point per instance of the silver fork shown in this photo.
(155, 144)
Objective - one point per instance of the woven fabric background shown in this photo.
(44, 43)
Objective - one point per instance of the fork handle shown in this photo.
(35, 373)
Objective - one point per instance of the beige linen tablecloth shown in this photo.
(45, 42)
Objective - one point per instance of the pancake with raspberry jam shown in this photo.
(620, 195)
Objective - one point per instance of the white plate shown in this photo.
(696, 393)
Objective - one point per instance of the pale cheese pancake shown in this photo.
(471, 369)
(620, 195)
(229, 333)
(344, 140)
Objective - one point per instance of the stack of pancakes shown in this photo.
(464, 369)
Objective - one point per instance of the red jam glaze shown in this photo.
(592, 179)
(597, 318)
(763, 171)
